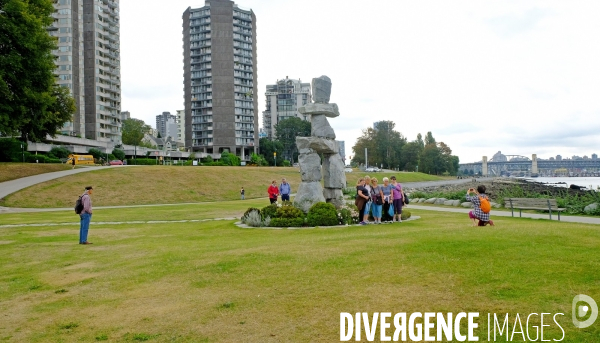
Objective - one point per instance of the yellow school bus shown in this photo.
(81, 159)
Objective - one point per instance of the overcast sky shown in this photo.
(521, 77)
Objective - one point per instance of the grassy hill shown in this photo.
(167, 185)
(12, 171)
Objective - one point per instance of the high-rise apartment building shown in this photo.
(181, 126)
(88, 63)
(282, 101)
(219, 44)
(162, 121)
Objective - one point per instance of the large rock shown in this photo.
(320, 127)
(334, 196)
(332, 193)
(309, 193)
(430, 200)
(590, 208)
(439, 201)
(467, 204)
(310, 167)
(321, 89)
(318, 144)
(333, 171)
(328, 110)
(452, 202)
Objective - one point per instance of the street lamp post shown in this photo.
(275, 157)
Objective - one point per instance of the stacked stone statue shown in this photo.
(321, 141)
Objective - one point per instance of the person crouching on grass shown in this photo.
(479, 214)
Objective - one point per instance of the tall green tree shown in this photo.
(268, 147)
(383, 143)
(286, 132)
(410, 156)
(429, 139)
(133, 131)
(31, 105)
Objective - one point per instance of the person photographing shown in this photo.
(481, 206)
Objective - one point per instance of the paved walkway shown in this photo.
(13, 186)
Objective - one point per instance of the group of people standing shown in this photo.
(284, 190)
(381, 201)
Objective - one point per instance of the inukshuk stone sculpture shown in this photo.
(321, 141)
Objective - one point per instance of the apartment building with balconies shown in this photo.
(219, 42)
(282, 101)
(88, 63)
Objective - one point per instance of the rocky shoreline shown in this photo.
(494, 187)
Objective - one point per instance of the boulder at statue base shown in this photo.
(309, 193)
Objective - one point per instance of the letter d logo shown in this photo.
(582, 310)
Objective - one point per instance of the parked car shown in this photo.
(116, 163)
(348, 170)
(370, 170)
(296, 165)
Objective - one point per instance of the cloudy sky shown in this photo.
(520, 77)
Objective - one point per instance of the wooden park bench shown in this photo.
(533, 204)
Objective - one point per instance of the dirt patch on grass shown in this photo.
(65, 277)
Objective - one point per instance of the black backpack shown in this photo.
(79, 205)
(405, 198)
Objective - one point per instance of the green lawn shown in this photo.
(214, 282)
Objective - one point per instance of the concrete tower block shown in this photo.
(484, 166)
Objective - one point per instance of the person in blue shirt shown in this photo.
(285, 190)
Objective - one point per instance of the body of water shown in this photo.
(588, 182)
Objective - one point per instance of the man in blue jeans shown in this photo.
(285, 190)
(86, 215)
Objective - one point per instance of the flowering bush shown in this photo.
(348, 214)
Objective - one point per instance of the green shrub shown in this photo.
(39, 158)
(59, 152)
(287, 222)
(322, 214)
(286, 163)
(250, 209)
(119, 154)
(141, 161)
(53, 160)
(11, 151)
(289, 212)
(96, 153)
(269, 211)
(405, 214)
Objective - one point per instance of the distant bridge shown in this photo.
(524, 166)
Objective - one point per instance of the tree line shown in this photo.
(389, 148)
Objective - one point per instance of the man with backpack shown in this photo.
(481, 206)
(85, 215)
